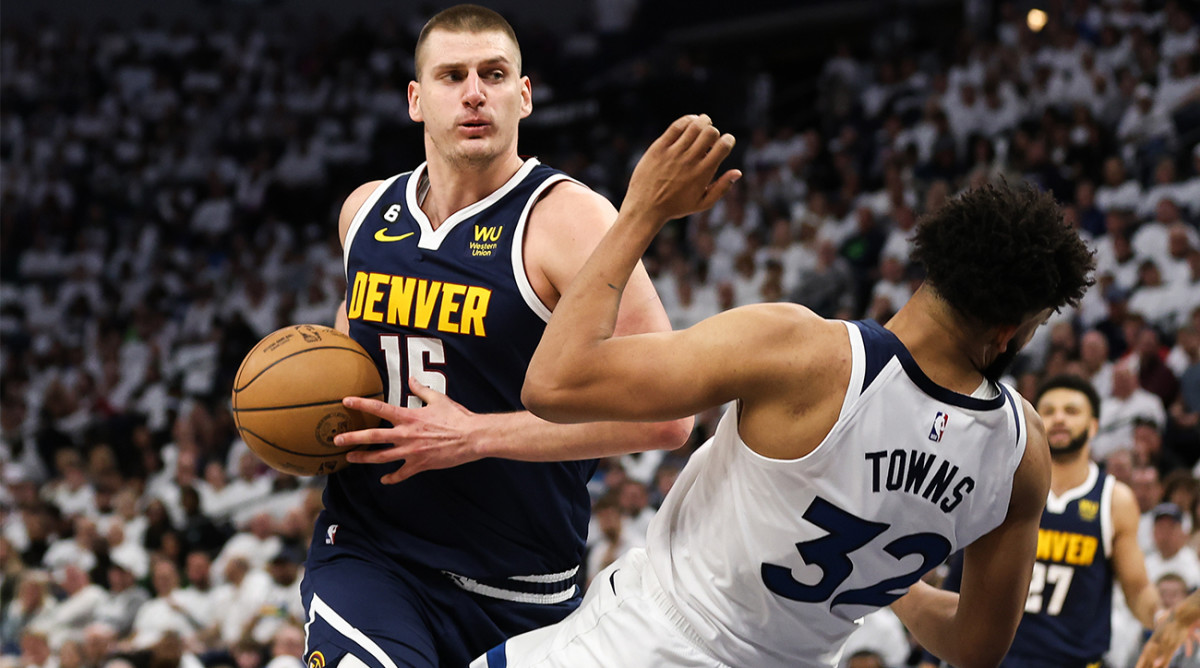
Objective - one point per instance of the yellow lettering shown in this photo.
(1043, 548)
(427, 294)
(1064, 547)
(357, 295)
(449, 306)
(1074, 548)
(474, 309)
(400, 299)
(488, 233)
(1087, 552)
(1059, 547)
(374, 295)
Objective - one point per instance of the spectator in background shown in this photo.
(1171, 553)
(81, 598)
(32, 603)
(1148, 490)
(1118, 410)
(125, 599)
(170, 611)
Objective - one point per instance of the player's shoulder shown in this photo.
(359, 195)
(788, 318)
(1124, 502)
(570, 197)
(354, 201)
(789, 339)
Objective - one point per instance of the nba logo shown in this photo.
(939, 427)
(331, 533)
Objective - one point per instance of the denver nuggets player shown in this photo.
(1087, 536)
(452, 272)
(857, 457)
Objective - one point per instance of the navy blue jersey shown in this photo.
(1068, 612)
(453, 308)
(1067, 620)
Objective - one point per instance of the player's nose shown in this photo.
(473, 90)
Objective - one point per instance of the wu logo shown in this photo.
(939, 427)
(490, 234)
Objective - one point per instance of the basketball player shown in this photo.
(452, 272)
(856, 458)
(1088, 536)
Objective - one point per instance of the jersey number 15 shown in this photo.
(418, 357)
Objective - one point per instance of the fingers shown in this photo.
(375, 407)
(675, 130)
(362, 437)
(718, 189)
(718, 150)
(426, 394)
(693, 134)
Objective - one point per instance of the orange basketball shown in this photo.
(287, 397)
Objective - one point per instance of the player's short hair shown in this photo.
(1068, 381)
(999, 254)
(465, 18)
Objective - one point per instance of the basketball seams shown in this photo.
(340, 452)
(289, 356)
(331, 402)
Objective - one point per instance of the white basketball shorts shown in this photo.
(623, 621)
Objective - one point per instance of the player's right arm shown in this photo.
(1129, 564)
(976, 627)
(349, 209)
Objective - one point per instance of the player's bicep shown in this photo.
(666, 375)
(1129, 564)
(351, 206)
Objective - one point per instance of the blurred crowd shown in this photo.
(167, 198)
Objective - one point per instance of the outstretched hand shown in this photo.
(436, 436)
(674, 178)
(1166, 641)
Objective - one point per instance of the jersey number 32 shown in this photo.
(831, 552)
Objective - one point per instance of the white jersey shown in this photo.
(770, 562)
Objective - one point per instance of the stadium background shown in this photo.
(170, 176)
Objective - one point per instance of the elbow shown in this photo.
(537, 395)
(672, 435)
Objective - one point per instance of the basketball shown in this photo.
(287, 397)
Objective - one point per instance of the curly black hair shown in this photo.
(998, 254)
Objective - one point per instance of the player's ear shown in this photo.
(1004, 336)
(414, 100)
(526, 97)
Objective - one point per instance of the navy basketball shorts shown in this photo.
(375, 613)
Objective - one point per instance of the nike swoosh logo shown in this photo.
(382, 235)
(612, 581)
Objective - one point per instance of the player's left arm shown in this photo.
(1129, 564)
(977, 626)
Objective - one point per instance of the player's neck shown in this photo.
(944, 351)
(1068, 473)
(453, 187)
